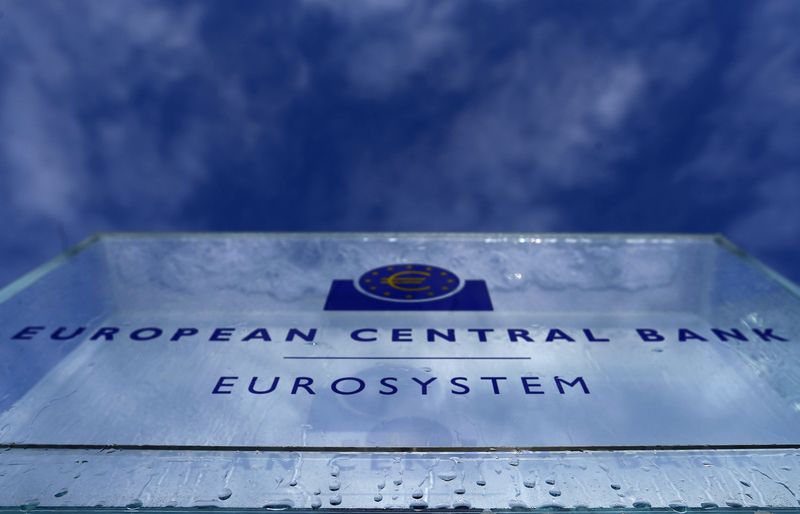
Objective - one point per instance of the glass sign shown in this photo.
(341, 342)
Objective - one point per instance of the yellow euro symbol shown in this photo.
(407, 280)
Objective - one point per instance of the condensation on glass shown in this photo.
(400, 371)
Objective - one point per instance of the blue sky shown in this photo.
(507, 115)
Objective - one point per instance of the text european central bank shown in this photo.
(400, 372)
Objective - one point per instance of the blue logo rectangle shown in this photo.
(408, 287)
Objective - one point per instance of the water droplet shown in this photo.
(709, 505)
(283, 504)
(550, 481)
(481, 482)
(447, 476)
(616, 487)
(426, 369)
(335, 485)
(786, 468)
(134, 505)
(517, 504)
(381, 485)
(461, 503)
(416, 494)
(225, 494)
(317, 491)
(677, 507)
(554, 492)
(378, 497)
(733, 504)
(29, 505)
(316, 503)
(336, 499)
(513, 462)
(459, 490)
(61, 493)
(418, 504)
(746, 484)
(530, 484)
(641, 504)
(398, 481)
(293, 483)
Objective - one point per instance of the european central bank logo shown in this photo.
(408, 287)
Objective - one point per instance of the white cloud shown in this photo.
(512, 132)
(42, 146)
(385, 42)
(63, 63)
(775, 221)
(753, 140)
(551, 121)
(556, 117)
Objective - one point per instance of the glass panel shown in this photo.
(448, 341)
(372, 371)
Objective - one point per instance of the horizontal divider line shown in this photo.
(299, 357)
(398, 449)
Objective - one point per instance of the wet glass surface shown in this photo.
(234, 344)
(223, 341)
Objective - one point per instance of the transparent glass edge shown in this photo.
(42, 270)
(658, 236)
(757, 264)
